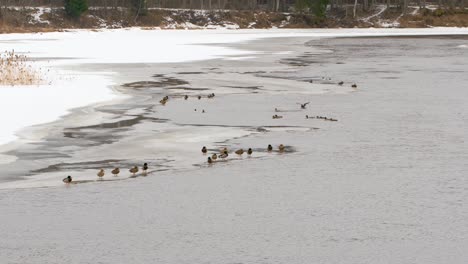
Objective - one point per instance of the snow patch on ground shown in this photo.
(37, 15)
(380, 10)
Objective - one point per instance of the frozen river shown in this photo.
(385, 184)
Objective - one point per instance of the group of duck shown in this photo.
(116, 171)
(304, 106)
(224, 153)
(321, 117)
(353, 85)
(186, 97)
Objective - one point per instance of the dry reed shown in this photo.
(15, 69)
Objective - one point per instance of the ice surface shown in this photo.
(385, 184)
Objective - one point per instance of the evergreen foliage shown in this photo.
(75, 8)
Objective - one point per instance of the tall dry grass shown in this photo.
(16, 69)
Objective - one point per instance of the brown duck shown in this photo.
(116, 171)
(134, 170)
(281, 148)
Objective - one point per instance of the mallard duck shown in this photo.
(214, 157)
(145, 168)
(249, 151)
(281, 147)
(354, 85)
(304, 105)
(210, 160)
(166, 98)
(204, 150)
(101, 173)
(270, 147)
(239, 151)
(341, 83)
(163, 102)
(224, 155)
(277, 117)
(116, 171)
(134, 170)
(68, 179)
(185, 97)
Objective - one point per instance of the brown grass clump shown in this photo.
(15, 70)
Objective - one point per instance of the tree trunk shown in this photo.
(354, 9)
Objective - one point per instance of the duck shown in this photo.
(341, 83)
(214, 156)
(277, 117)
(304, 105)
(199, 97)
(239, 151)
(354, 85)
(224, 155)
(210, 160)
(270, 147)
(204, 150)
(163, 102)
(186, 97)
(224, 150)
(281, 147)
(145, 168)
(101, 173)
(249, 151)
(134, 170)
(68, 179)
(116, 171)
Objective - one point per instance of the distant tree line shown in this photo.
(317, 7)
